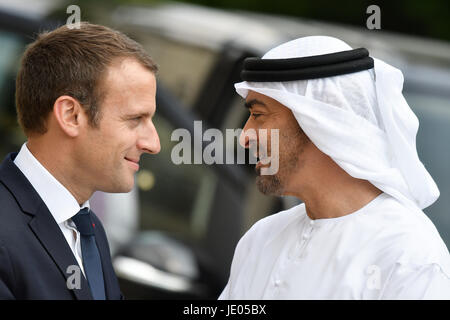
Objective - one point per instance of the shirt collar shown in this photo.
(59, 201)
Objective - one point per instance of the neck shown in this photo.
(58, 163)
(324, 204)
(330, 192)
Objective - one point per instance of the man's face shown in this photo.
(110, 153)
(267, 113)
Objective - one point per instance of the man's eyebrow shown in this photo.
(252, 102)
(137, 114)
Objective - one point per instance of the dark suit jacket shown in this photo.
(34, 255)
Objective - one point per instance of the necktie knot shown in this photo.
(83, 222)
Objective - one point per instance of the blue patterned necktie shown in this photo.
(91, 256)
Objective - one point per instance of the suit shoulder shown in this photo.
(12, 223)
(8, 202)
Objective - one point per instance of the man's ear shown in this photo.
(69, 115)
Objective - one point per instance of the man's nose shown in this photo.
(149, 141)
(248, 134)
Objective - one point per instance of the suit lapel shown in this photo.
(103, 250)
(49, 234)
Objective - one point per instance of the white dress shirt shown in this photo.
(381, 251)
(59, 201)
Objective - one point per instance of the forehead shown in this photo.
(128, 73)
(129, 86)
(254, 95)
(267, 102)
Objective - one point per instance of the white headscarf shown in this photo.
(361, 120)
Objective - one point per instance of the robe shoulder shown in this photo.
(271, 226)
(404, 235)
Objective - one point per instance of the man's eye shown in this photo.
(256, 115)
(134, 122)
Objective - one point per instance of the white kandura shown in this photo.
(381, 251)
(388, 249)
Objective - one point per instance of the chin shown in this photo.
(269, 185)
(127, 188)
(124, 186)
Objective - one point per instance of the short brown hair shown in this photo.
(70, 62)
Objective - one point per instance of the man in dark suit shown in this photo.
(85, 99)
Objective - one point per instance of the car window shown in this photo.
(433, 111)
(12, 47)
(183, 67)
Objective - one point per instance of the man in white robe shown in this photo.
(347, 150)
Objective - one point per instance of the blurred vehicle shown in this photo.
(175, 234)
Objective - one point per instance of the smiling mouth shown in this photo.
(260, 163)
(263, 158)
(133, 163)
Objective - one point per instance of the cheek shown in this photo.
(100, 145)
(275, 136)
